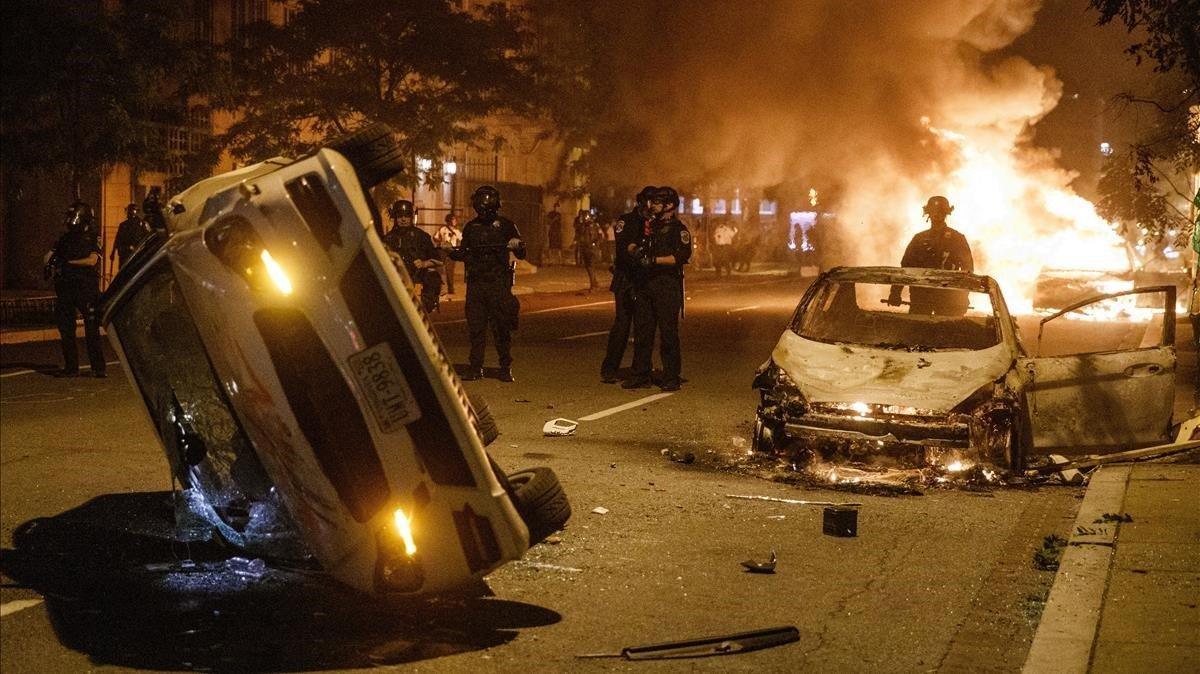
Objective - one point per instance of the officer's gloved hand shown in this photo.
(514, 244)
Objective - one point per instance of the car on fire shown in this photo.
(302, 398)
(858, 375)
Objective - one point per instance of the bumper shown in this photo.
(908, 441)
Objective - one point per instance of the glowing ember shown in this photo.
(956, 467)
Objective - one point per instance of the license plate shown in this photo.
(381, 381)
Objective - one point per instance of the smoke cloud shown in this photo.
(882, 101)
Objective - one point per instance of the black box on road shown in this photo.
(841, 522)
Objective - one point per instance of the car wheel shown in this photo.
(373, 152)
(766, 436)
(541, 501)
(485, 423)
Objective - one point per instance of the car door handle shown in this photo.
(1143, 370)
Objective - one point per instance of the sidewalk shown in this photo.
(1127, 594)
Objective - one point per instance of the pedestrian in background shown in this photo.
(723, 238)
(447, 238)
(74, 265)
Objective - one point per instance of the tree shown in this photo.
(429, 71)
(1147, 187)
(85, 87)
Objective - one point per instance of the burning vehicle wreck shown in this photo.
(304, 403)
(944, 379)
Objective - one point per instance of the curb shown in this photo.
(1068, 628)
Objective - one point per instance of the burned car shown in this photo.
(862, 374)
(303, 401)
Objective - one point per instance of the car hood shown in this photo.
(843, 373)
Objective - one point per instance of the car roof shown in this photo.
(912, 276)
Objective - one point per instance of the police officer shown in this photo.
(152, 210)
(487, 241)
(132, 231)
(628, 229)
(415, 249)
(74, 264)
(658, 290)
(938, 247)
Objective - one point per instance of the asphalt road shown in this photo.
(942, 581)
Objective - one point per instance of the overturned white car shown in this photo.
(862, 374)
(299, 391)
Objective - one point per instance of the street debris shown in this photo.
(1114, 517)
(553, 540)
(761, 567)
(840, 521)
(247, 568)
(1048, 556)
(730, 644)
(1059, 464)
(679, 457)
(600, 510)
(559, 427)
(792, 501)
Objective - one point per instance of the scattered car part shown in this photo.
(840, 522)
(559, 427)
(599, 510)
(729, 644)
(541, 501)
(793, 501)
(761, 567)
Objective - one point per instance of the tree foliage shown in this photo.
(1146, 187)
(85, 87)
(428, 70)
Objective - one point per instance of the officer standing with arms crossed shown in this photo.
(74, 264)
(628, 229)
(660, 253)
(486, 242)
(415, 248)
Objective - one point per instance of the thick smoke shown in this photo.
(883, 102)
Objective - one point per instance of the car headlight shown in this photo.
(234, 242)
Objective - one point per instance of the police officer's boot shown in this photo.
(506, 375)
(472, 374)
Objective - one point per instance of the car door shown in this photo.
(1088, 402)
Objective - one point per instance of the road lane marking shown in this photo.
(18, 373)
(539, 311)
(584, 335)
(627, 406)
(11, 607)
(749, 308)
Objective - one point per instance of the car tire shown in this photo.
(485, 423)
(541, 501)
(766, 437)
(373, 152)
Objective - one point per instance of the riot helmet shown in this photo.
(486, 200)
(402, 209)
(132, 211)
(937, 208)
(667, 200)
(80, 217)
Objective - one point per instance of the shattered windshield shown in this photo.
(909, 318)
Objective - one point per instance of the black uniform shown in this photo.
(629, 230)
(78, 289)
(412, 243)
(130, 234)
(938, 248)
(658, 299)
(484, 252)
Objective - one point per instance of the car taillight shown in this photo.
(397, 566)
